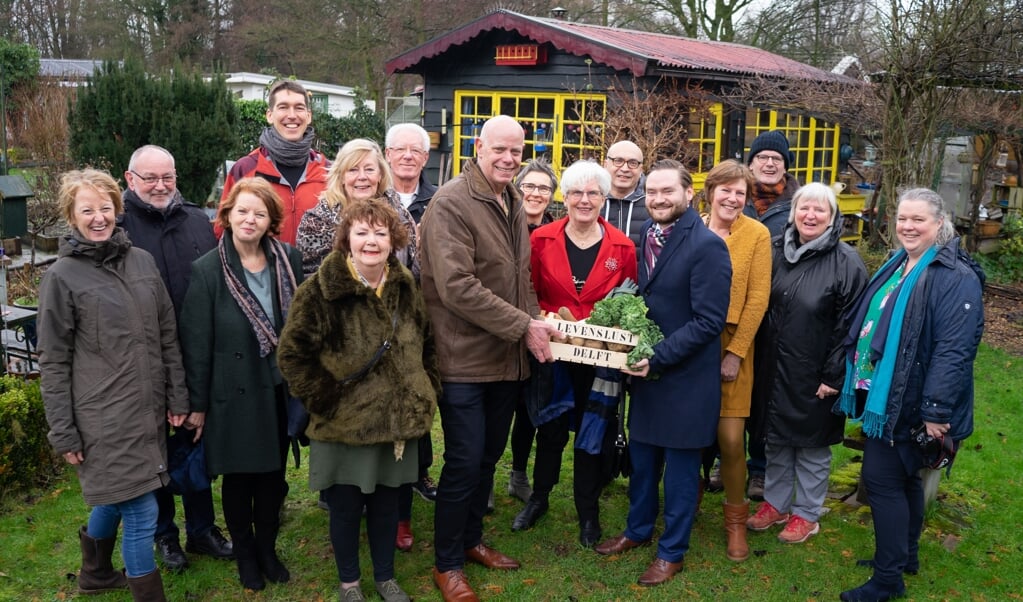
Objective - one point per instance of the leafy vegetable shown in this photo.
(628, 312)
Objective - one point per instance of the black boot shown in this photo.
(245, 557)
(266, 515)
(147, 588)
(266, 556)
(590, 533)
(535, 508)
(98, 574)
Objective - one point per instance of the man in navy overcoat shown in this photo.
(685, 278)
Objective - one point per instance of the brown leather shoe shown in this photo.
(453, 586)
(658, 572)
(617, 545)
(490, 558)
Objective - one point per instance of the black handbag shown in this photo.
(620, 463)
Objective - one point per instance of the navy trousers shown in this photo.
(681, 471)
(895, 492)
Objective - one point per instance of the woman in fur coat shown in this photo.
(357, 349)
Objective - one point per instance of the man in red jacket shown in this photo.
(285, 156)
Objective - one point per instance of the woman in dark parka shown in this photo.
(234, 310)
(910, 349)
(815, 279)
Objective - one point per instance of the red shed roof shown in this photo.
(624, 49)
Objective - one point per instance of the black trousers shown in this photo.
(346, 503)
(476, 418)
(588, 478)
(405, 491)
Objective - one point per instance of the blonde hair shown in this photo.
(351, 154)
(73, 181)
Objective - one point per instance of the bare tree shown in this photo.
(816, 32)
(656, 118)
(43, 133)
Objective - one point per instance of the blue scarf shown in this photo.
(875, 412)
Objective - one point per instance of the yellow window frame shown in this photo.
(573, 130)
(562, 127)
(813, 142)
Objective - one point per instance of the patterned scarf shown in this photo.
(656, 236)
(261, 324)
(764, 195)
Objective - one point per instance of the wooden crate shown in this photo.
(580, 354)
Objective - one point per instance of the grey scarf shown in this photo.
(286, 152)
(794, 251)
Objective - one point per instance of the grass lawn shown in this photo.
(971, 548)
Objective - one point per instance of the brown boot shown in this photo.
(98, 574)
(735, 528)
(147, 588)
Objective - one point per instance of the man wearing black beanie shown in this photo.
(772, 193)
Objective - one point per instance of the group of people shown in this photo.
(347, 301)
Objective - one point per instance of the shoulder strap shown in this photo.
(376, 356)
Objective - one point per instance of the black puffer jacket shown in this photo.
(806, 330)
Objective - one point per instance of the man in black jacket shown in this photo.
(175, 233)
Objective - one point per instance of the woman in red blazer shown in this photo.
(576, 261)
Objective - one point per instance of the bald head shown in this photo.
(499, 151)
(625, 164)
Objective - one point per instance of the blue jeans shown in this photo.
(476, 418)
(139, 516)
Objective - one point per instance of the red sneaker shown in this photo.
(767, 516)
(798, 530)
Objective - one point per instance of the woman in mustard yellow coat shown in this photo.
(727, 189)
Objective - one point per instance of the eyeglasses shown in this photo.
(618, 162)
(401, 150)
(528, 188)
(762, 158)
(151, 180)
(577, 195)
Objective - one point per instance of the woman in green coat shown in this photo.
(358, 351)
(237, 301)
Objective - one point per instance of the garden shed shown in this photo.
(563, 79)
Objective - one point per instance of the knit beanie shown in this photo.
(772, 141)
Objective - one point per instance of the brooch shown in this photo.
(611, 264)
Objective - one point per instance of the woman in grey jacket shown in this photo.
(111, 374)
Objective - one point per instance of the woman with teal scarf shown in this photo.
(910, 351)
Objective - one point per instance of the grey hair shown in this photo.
(400, 128)
(946, 229)
(582, 172)
(540, 165)
(143, 149)
(815, 191)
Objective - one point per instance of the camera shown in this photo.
(938, 452)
